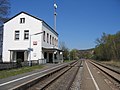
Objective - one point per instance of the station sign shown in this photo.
(34, 42)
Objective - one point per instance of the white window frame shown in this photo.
(26, 34)
(22, 20)
(17, 35)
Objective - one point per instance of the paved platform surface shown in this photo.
(10, 82)
(93, 79)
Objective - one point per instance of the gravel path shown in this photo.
(64, 81)
(45, 81)
(77, 82)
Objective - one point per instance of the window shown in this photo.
(50, 39)
(22, 20)
(17, 35)
(44, 36)
(26, 34)
(57, 42)
(47, 38)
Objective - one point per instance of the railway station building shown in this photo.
(28, 38)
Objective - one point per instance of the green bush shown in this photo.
(19, 63)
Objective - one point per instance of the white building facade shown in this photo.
(29, 38)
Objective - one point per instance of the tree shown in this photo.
(87, 53)
(102, 50)
(74, 54)
(63, 47)
(108, 47)
(4, 10)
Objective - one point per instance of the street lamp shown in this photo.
(30, 49)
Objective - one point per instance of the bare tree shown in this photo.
(63, 47)
(4, 10)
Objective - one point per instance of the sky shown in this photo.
(79, 22)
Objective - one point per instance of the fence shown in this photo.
(11, 65)
(4, 66)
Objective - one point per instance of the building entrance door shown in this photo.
(45, 56)
(50, 58)
(20, 55)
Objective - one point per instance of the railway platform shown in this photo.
(13, 81)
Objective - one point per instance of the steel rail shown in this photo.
(32, 82)
(114, 75)
(61, 74)
(72, 80)
(106, 67)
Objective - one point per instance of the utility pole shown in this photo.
(55, 14)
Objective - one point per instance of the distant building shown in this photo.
(19, 30)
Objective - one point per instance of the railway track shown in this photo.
(53, 78)
(61, 80)
(110, 73)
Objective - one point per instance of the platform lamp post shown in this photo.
(30, 49)
(55, 14)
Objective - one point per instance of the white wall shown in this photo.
(50, 32)
(34, 26)
(9, 43)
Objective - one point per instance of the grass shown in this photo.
(67, 60)
(112, 63)
(13, 72)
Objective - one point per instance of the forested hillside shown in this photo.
(108, 47)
